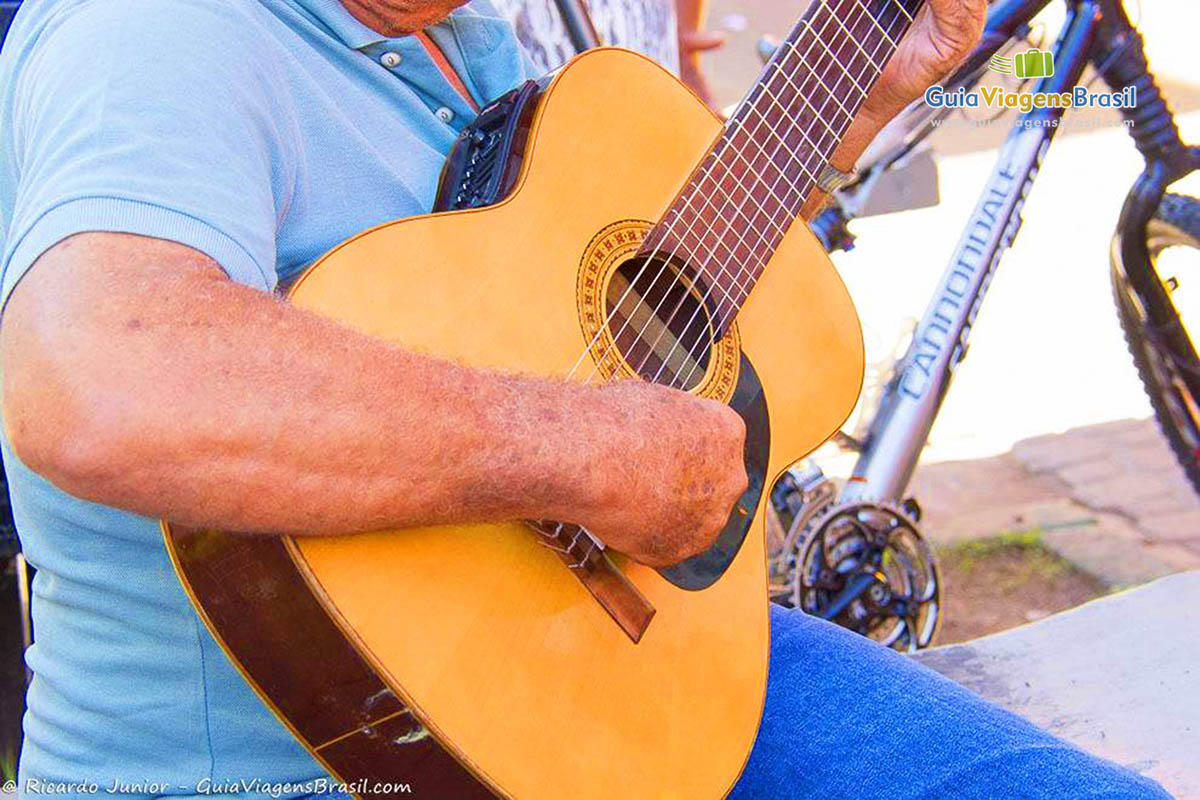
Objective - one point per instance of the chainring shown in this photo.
(866, 567)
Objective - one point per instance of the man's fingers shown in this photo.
(959, 21)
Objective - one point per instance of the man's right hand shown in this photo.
(668, 471)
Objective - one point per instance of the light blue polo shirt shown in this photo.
(262, 133)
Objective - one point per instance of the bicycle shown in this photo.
(856, 556)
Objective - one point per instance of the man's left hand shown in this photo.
(941, 36)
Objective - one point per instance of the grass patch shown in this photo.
(1006, 580)
(979, 548)
(1025, 546)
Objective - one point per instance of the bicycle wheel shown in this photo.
(1173, 239)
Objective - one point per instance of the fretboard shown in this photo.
(735, 208)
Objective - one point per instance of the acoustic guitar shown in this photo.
(596, 225)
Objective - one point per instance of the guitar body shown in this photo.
(469, 660)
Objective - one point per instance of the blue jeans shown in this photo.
(847, 718)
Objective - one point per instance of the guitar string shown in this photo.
(692, 354)
(716, 159)
(688, 196)
(800, 161)
(743, 291)
(594, 543)
(786, 196)
(695, 359)
(800, 92)
(685, 379)
(789, 202)
(802, 96)
(764, 238)
(801, 195)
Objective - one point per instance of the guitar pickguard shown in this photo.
(703, 570)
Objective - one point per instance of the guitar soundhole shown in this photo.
(660, 323)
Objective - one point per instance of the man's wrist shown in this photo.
(861, 133)
(862, 130)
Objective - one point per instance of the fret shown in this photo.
(816, 143)
(730, 201)
(846, 72)
(810, 90)
(777, 128)
(854, 39)
(773, 123)
(765, 174)
(816, 114)
(731, 198)
(784, 143)
(815, 87)
(790, 196)
(793, 48)
(772, 131)
(787, 202)
(885, 40)
(732, 248)
(700, 247)
(758, 183)
(706, 244)
(743, 197)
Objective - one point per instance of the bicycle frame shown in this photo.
(1096, 32)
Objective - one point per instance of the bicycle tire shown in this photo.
(1176, 223)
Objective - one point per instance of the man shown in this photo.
(165, 165)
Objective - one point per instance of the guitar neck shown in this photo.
(736, 207)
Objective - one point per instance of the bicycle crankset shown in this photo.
(866, 567)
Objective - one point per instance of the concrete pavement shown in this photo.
(1108, 497)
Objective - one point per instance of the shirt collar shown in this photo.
(334, 16)
(477, 16)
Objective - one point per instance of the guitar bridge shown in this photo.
(584, 555)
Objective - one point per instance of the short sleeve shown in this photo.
(150, 117)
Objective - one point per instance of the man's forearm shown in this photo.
(177, 393)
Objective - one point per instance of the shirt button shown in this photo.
(390, 60)
(444, 114)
